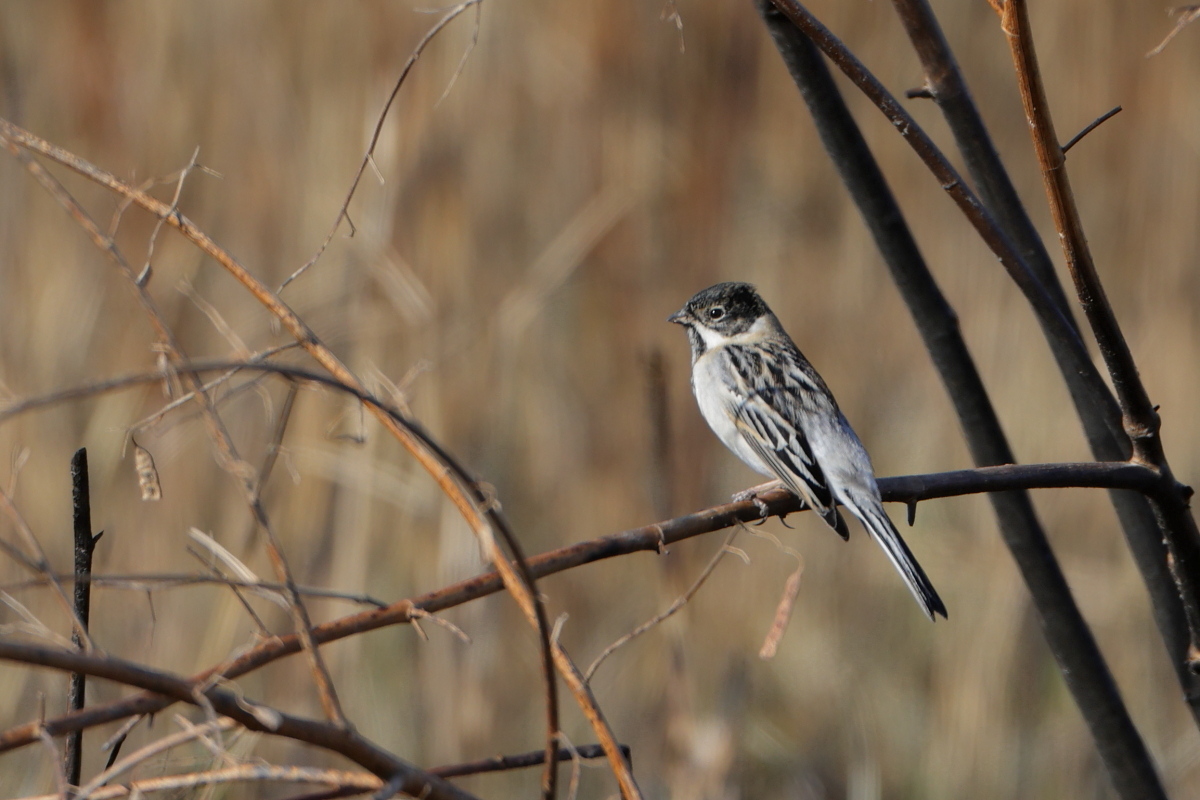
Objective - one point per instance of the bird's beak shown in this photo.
(680, 317)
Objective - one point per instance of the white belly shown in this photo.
(715, 400)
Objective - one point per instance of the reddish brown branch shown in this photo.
(650, 538)
(1139, 415)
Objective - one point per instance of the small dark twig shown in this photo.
(1096, 123)
(536, 758)
(85, 544)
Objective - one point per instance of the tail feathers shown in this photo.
(834, 520)
(883, 531)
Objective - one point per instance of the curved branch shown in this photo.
(412, 780)
(476, 507)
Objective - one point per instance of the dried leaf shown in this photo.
(147, 474)
(783, 614)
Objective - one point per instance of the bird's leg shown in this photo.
(753, 494)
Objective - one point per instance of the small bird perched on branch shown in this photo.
(769, 406)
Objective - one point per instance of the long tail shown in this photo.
(870, 512)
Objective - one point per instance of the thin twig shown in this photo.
(1187, 15)
(150, 751)
(1096, 123)
(237, 590)
(521, 761)
(679, 603)
(369, 156)
(326, 735)
(143, 277)
(158, 582)
(355, 782)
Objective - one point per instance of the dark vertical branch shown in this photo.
(1139, 415)
(85, 544)
(1080, 661)
(949, 90)
(1138, 520)
(1099, 412)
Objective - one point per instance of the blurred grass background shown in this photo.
(583, 177)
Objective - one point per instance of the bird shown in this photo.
(766, 403)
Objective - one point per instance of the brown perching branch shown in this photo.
(649, 538)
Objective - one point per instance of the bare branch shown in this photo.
(460, 487)
(1096, 123)
(335, 738)
(679, 603)
(1139, 414)
(650, 538)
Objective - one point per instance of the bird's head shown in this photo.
(721, 314)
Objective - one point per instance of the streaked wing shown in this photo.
(766, 414)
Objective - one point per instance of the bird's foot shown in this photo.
(752, 494)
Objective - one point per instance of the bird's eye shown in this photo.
(715, 313)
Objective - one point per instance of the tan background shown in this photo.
(583, 177)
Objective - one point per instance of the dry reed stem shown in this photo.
(143, 754)
(454, 481)
(243, 773)
(227, 455)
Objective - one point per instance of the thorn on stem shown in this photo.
(920, 93)
(912, 512)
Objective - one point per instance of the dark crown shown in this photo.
(739, 300)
